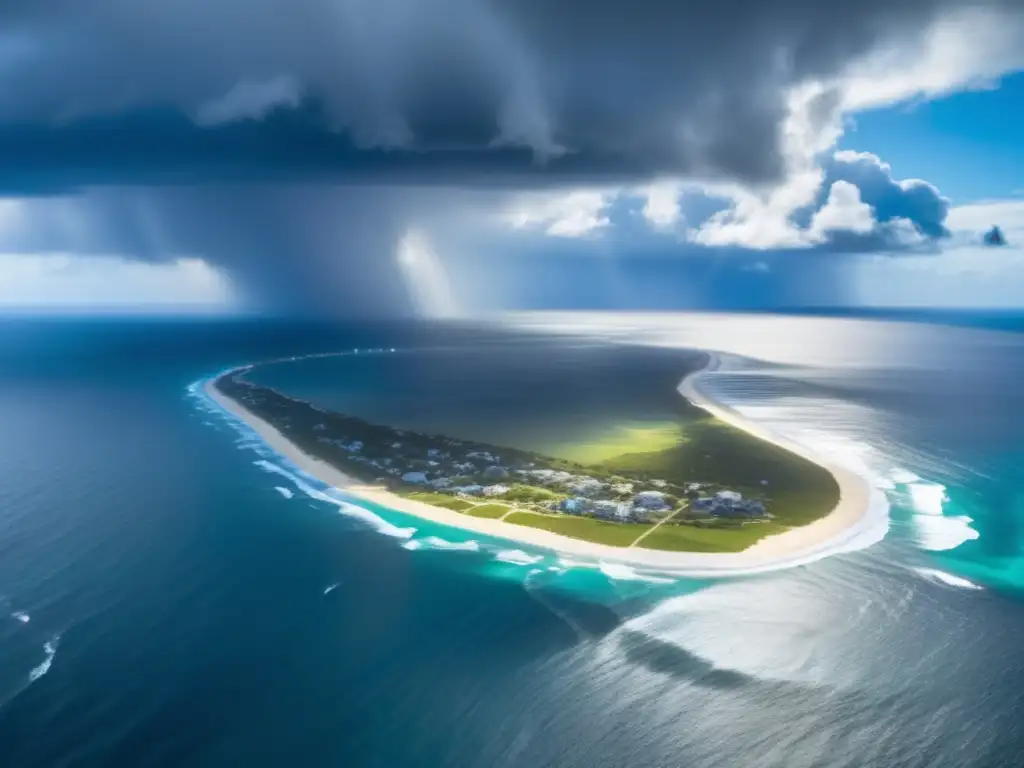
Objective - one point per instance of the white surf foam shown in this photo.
(903, 476)
(927, 498)
(51, 651)
(517, 557)
(941, 534)
(568, 562)
(345, 507)
(284, 491)
(620, 572)
(412, 545)
(934, 574)
(435, 542)
(330, 589)
(24, 618)
(935, 531)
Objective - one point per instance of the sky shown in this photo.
(446, 158)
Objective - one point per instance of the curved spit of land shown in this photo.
(841, 513)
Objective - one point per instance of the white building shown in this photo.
(495, 490)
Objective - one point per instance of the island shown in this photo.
(724, 493)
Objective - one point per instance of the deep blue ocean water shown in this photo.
(172, 595)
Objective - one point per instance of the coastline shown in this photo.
(793, 547)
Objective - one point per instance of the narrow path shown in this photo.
(651, 530)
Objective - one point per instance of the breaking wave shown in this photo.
(941, 577)
(934, 530)
(347, 508)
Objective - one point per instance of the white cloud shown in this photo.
(761, 219)
(661, 209)
(843, 212)
(969, 49)
(578, 213)
(250, 100)
(58, 281)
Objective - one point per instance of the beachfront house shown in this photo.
(613, 510)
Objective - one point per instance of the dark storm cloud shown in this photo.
(93, 91)
(310, 248)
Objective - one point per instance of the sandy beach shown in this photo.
(793, 547)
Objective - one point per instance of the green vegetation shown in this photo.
(585, 528)
(620, 439)
(691, 538)
(693, 455)
(491, 511)
(528, 493)
(440, 500)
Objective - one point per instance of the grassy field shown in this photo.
(440, 500)
(797, 491)
(585, 528)
(491, 511)
(618, 439)
(688, 538)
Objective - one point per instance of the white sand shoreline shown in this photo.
(831, 533)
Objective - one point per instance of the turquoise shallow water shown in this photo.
(172, 594)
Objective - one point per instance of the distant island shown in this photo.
(717, 489)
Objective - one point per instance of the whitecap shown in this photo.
(620, 572)
(517, 557)
(934, 574)
(284, 491)
(51, 650)
(412, 545)
(330, 589)
(24, 618)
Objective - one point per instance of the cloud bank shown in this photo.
(296, 144)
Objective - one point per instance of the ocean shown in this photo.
(174, 594)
